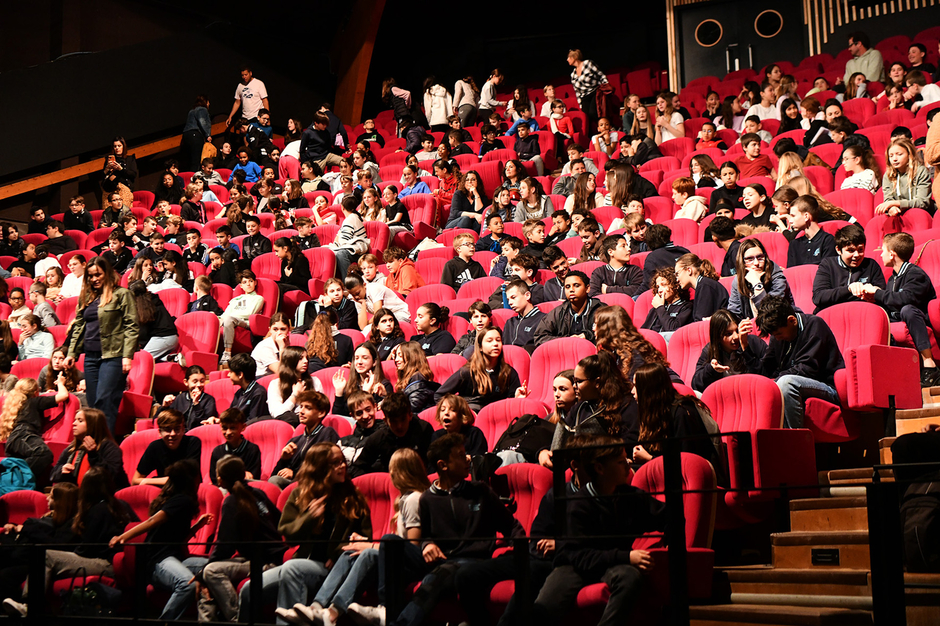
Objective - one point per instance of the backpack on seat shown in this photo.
(15, 475)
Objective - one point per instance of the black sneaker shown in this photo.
(929, 376)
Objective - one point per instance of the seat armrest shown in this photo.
(258, 324)
(876, 373)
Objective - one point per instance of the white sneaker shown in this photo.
(310, 614)
(226, 357)
(366, 615)
(13, 608)
(290, 616)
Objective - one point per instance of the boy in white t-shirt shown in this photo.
(251, 95)
(239, 310)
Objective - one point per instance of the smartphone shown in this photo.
(110, 158)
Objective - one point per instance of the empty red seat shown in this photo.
(133, 446)
(481, 288)
(17, 506)
(271, 436)
(199, 343)
(549, 359)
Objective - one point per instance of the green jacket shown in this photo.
(119, 330)
(297, 525)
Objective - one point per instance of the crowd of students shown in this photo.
(622, 399)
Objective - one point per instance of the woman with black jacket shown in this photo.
(731, 350)
(120, 168)
(92, 447)
(415, 378)
(324, 348)
(158, 334)
(247, 516)
(295, 267)
(487, 378)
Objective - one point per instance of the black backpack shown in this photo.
(527, 434)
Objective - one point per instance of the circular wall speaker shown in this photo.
(708, 33)
(768, 23)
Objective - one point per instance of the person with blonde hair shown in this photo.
(790, 166)
(906, 181)
(22, 423)
(804, 187)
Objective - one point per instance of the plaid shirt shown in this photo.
(588, 82)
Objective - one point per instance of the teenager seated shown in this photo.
(843, 278)
(401, 430)
(732, 349)
(574, 318)
(172, 446)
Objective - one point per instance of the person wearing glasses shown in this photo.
(756, 278)
(865, 59)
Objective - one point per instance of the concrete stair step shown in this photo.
(829, 514)
(774, 615)
(824, 550)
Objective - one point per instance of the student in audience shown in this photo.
(906, 181)
(117, 254)
(510, 247)
(195, 251)
(22, 423)
(365, 374)
(557, 262)
(693, 206)
(670, 308)
(487, 378)
(843, 278)
(462, 268)
(703, 171)
(534, 231)
(561, 228)
(592, 243)
(312, 406)
(233, 422)
(332, 299)
(267, 352)
(481, 318)
(862, 171)
(574, 318)
(105, 330)
(733, 349)
(802, 356)
(239, 310)
(454, 416)
(816, 244)
(760, 206)
(756, 277)
(752, 162)
(221, 270)
(905, 298)
(41, 308)
(295, 267)
(35, 341)
(527, 144)
(451, 510)
(520, 330)
(729, 188)
(533, 203)
(431, 322)
(410, 183)
(195, 405)
(495, 226)
(351, 240)
(402, 430)
(618, 276)
(171, 518)
(663, 253)
(617, 334)
(363, 408)
(247, 516)
(707, 138)
(172, 446)
(250, 397)
(700, 275)
(386, 333)
(372, 296)
(415, 378)
(74, 378)
(669, 123)
(326, 348)
(158, 334)
(17, 300)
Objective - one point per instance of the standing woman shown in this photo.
(732, 349)
(397, 99)
(196, 132)
(106, 331)
(466, 96)
(488, 101)
(325, 506)
(120, 172)
(438, 104)
(487, 378)
(756, 277)
(295, 267)
(92, 446)
(586, 78)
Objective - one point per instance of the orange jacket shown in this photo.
(406, 279)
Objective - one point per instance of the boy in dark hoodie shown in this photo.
(802, 357)
(843, 278)
(254, 244)
(527, 146)
(557, 262)
(462, 268)
(361, 406)
(906, 297)
(618, 276)
(604, 517)
(590, 232)
(663, 253)
(493, 241)
(400, 429)
(314, 406)
(574, 318)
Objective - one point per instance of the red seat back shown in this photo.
(380, 493)
(133, 446)
(18, 506)
(685, 346)
(271, 436)
(139, 497)
(528, 484)
(495, 418)
(223, 391)
(549, 359)
(800, 279)
(211, 436)
(175, 300)
(857, 324)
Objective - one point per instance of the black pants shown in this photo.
(589, 107)
(31, 448)
(559, 594)
(191, 150)
(539, 569)
(474, 582)
(915, 448)
(916, 325)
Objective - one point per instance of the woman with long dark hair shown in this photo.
(106, 331)
(365, 374)
(93, 446)
(295, 267)
(293, 378)
(324, 347)
(616, 333)
(487, 378)
(386, 333)
(732, 349)
(120, 171)
(157, 332)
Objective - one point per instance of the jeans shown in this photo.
(229, 322)
(174, 575)
(108, 374)
(161, 347)
(462, 221)
(559, 594)
(411, 569)
(293, 581)
(344, 258)
(796, 390)
(346, 578)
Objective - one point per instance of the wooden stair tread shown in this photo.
(811, 538)
(811, 504)
(931, 410)
(767, 574)
(780, 614)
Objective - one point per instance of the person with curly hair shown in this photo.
(617, 334)
(671, 308)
